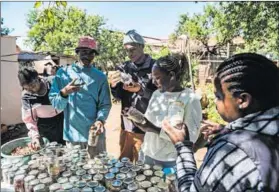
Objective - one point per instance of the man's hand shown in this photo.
(35, 144)
(114, 78)
(100, 127)
(134, 88)
(176, 134)
(70, 88)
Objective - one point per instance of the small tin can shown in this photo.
(92, 184)
(80, 184)
(124, 170)
(40, 188)
(114, 170)
(120, 176)
(62, 180)
(109, 177)
(100, 189)
(86, 177)
(116, 185)
(131, 174)
(54, 187)
(145, 184)
(87, 189)
(133, 186)
(74, 179)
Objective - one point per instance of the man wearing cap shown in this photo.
(82, 92)
(135, 94)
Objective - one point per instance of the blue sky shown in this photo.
(155, 19)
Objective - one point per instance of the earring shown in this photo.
(240, 106)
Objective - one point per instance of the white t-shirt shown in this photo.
(159, 146)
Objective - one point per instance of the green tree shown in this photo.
(60, 34)
(4, 30)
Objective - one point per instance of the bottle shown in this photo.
(93, 136)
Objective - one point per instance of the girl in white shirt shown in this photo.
(171, 101)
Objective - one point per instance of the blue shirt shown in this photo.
(81, 109)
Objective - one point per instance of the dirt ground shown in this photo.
(113, 131)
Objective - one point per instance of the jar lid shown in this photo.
(125, 160)
(131, 174)
(29, 178)
(148, 173)
(100, 189)
(146, 167)
(75, 189)
(46, 180)
(20, 172)
(42, 175)
(135, 168)
(34, 172)
(159, 173)
(140, 177)
(80, 172)
(129, 164)
(158, 167)
(114, 170)
(34, 182)
(92, 171)
(87, 166)
(155, 180)
(54, 186)
(153, 189)
(67, 186)
(139, 163)
(98, 177)
(162, 185)
(103, 170)
(145, 184)
(67, 174)
(128, 180)
(81, 184)
(120, 176)
(86, 177)
(132, 186)
(73, 179)
(119, 164)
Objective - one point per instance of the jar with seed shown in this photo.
(148, 174)
(40, 188)
(109, 177)
(133, 186)
(131, 174)
(145, 184)
(121, 176)
(114, 170)
(116, 185)
(87, 189)
(74, 179)
(127, 182)
(67, 186)
(100, 189)
(42, 176)
(162, 186)
(54, 187)
(159, 174)
(62, 180)
(92, 184)
(155, 180)
(53, 166)
(86, 177)
(80, 184)
(172, 182)
(124, 170)
(19, 183)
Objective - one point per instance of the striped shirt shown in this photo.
(225, 168)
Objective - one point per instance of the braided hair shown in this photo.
(251, 73)
(173, 63)
(26, 75)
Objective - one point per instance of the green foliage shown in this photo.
(5, 30)
(60, 34)
(164, 51)
(210, 110)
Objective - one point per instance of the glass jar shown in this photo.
(80, 184)
(148, 174)
(172, 182)
(34, 172)
(116, 185)
(53, 166)
(62, 180)
(103, 171)
(87, 167)
(125, 160)
(98, 177)
(47, 181)
(119, 165)
(42, 176)
(40, 188)
(54, 187)
(131, 174)
(155, 180)
(129, 164)
(157, 167)
(19, 183)
(153, 189)
(127, 181)
(92, 171)
(136, 168)
(163, 186)
(109, 177)
(159, 174)
(93, 136)
(140, 163)
(140, 178)
(80, 172)
(86, 177)
(67, 174)
(67, 186)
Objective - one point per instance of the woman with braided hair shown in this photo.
(180, 105)
(245, 155)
